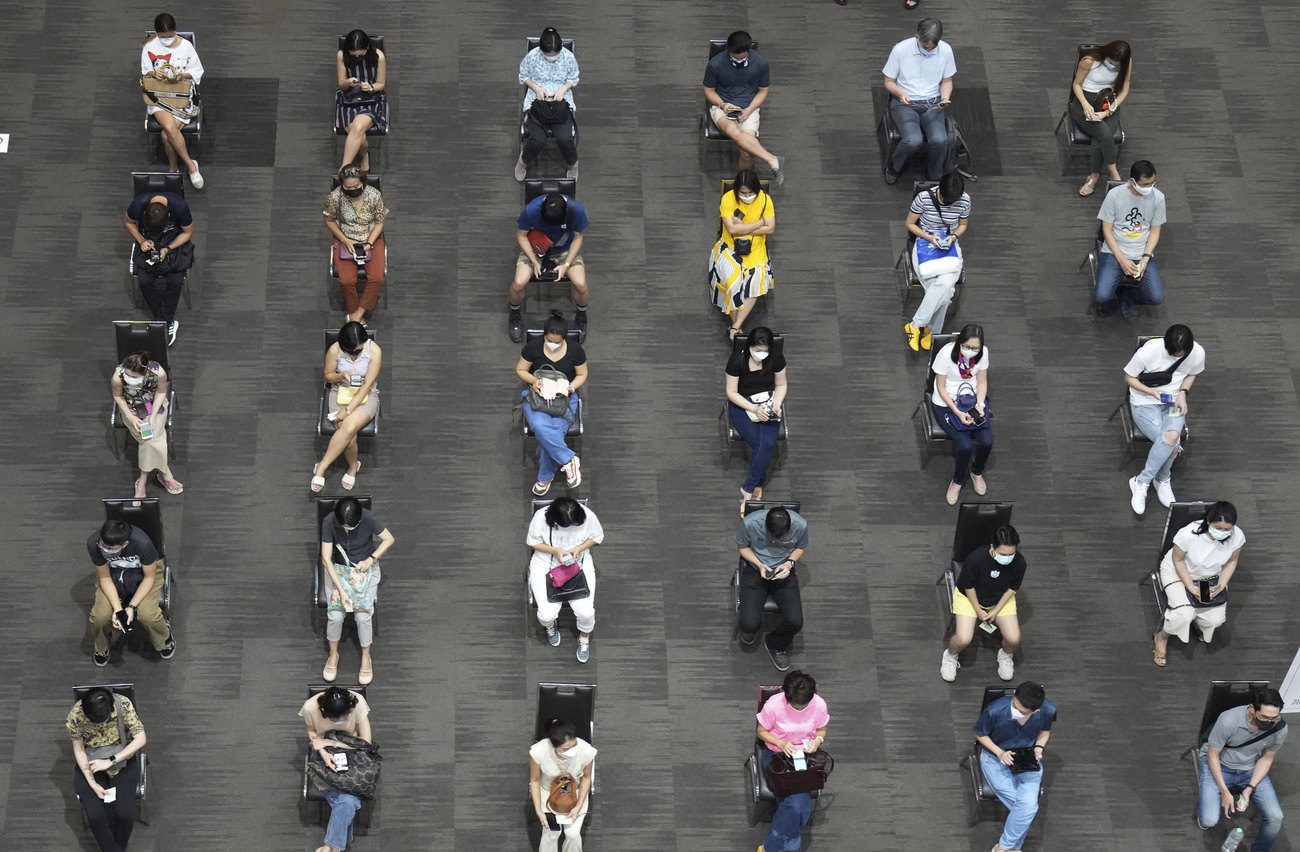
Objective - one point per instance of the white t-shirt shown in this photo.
(184, 58)
(551, 764)
(564, 537)
(1205, 556)
(951, 374)
(1152, 357)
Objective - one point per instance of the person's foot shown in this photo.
(540, 487)
(172, 328)
(168, 648)
(977, 482)
(317, 481)
(948, 667)
(521, 171)
(758, 493)
(1139, 489)
(572, 173)
(1125, 309)
(1158, 656)
(954, 491)
(517, 326)
(584, 649)
(1089, 185)
(927, 339)
(913, 337)
(553, 636)
(141, 491)
(891, 176)
(173, 486)
(780, 659)
(101, 658)
(366, 673)
(331, 670)
(778, 172)
(195, 177)
(580, 325)
(1006, 665)
(749, 638)
(1164, 492)
(350, 478)
(573, 473)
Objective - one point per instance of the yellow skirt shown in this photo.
(961, 605)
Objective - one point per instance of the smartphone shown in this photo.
(800, 762)
(988, 628)
(359, 252)
(146, 431)
(551, 822)
(1205, 589)
(976, 416)
(1167, 398)
(735, 114)
(341, 761)
(110, 795)
(356, 380)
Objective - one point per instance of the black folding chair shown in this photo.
(976, 523)
(135, 337)
(572, 702)
(1074, 134)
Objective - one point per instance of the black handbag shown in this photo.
(550, 113)
(1104, 99)
(1218, 600)
(360, 779)
(557, 407)
(356, 96)
(785, 780)
(1160, 378)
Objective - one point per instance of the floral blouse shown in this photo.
(356, 224)
(145, 392)
(105, 733)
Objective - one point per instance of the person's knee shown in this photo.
(749, 621)
(1209, 820)
(1171, 438)
(793, 621)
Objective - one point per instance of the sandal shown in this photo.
(317, 481)
(758, 493)
(1158, 657)
(732, 331)
(173, 486)
(1088, 186)
(349, 481)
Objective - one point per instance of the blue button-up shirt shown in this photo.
(549, 75)
(916, 73)
(996, 724)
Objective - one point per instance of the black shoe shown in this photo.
(101, 660)
(169, 649)
(780, 659)
(891, 176)
(580, 325)
(749, 638)
(517, 326)
(1125, 309)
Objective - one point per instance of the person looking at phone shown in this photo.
(771, 541)
(1195, 573)
(354, 216)
(549, 71)
(139, 386)
(960, 399)
(756, 388)
(1100, 85)
(1234, 763)
(350, 554)
(739, 269)
(560, 752)
(128, 587)
(938, 216)
(736, 83)
(918, 77)
(562, 533)
(1160, 376)
(161, 225)
(336, 709)
(1015, 723)
(553, 353)
(792, 721)
(352, 366)
(359, 101)
(554, 223)
(1132, 217)
(168, 56)
(985, 595)
(106, 736)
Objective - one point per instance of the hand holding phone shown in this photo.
(110, 795)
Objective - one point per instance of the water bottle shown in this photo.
(1233, 841)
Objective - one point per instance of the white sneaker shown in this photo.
(573, 472)
(948, 667)
(521, 171)
(1006, 665)
(172, 328)
(1139, 490)
(572, 173)
(1165, 492)
(195, 177)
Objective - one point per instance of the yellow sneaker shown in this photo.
(926, 339)
(913, 336)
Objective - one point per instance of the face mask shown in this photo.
(1003, 560)
(567, 754)
(1110, 66)
(969, 353)
(133, 381)
(108, 551)
(747, 199)
(1142, 190)
(554, 58)
(340, 721)
(174, 42)
(1220, 535)
(355, 354)
(758, 356)
(1265, 725)
(925, 52)
(1017, 715)
(553, 346)
(354, 193)
(740, 63)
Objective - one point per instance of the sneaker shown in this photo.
(891, 176)
(169, 649)
(749, 638)
(584, 649)
(780, 659)
(580, 325)
(553, 636)
(1139, 490)
(927, 339)
(571, 174)
(778, 173)
(913, 337)
(1164, 492)
(195, 178)
(101, 660)
(171, 332)
(540, 488)
(521, 171)
(1006, 665)
(948, 667)
(517, 326)
(573, 472)
(1125, 309)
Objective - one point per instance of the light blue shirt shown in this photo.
(549, 75)
(919, 75)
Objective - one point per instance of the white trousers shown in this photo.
(584, 610)
(572, 837)
(1180, 614)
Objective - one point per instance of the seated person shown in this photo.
(556, 353)
(350, 555)
(1100, 85)
(986, 593)
(106, 736)
(736, 82)
(128, 579)
(564, 532)
(167, 56)
(1020, 721)
(1131, 218)
(771, 541)
(162, 227)
(937, 218)
(560, 752)
(352, 368)
(755, 373)
(360, 102)
(794, 719)
(960, 401)
(336, 709)
(139, 386)
(739, 268)
(1205, 550)
(354, 216)
(918, 77)
(554, 223)
(550, 71)
(1160, 412)
(1233, 766)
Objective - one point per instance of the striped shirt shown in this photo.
(939, 222)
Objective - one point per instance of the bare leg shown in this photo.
(345, 433)
(169, 151)
(578, 278)
(523, 274)
(333, 659)
(748, 144)
(350, 454)
(964, 634)
(171, 130)
(738, 318)
(1010, 627)
(356, 140)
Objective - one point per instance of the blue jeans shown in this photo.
(343, 807)
(761, 438)
(552, 452)
(971, 447)
(1149, 290)
(789, 818)
(1263, 797)
(1154, 421)
(918, 123)
(1018, 791)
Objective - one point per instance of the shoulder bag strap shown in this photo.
(1254, 740)
(121, 723)
(1174, 369)
(938, 209)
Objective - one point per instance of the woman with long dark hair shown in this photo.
(352, 369)
(360, 102)
(739, 268)
(1195, 574)
(960, 400)
(563, 533)
(1101, 84)
(756, 389)
(560, 752)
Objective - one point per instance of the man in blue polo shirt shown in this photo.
(918, 77)
(561, 220)
(735, 85)
(1020, 721)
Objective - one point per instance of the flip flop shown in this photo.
(317, 482)
(349, 481)
(1157, 657)
(1088, 186)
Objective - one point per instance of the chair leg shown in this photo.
(1062, 121)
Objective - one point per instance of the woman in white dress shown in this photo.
(1207, 551)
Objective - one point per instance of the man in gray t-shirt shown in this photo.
(1233, 765)
(1131, 218)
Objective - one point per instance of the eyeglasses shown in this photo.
(1267, 720)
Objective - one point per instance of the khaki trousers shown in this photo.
(149, 614)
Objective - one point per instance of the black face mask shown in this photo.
(1265, 725)
(354, 193)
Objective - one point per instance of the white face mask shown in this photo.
(133, 381)
(174, 42)
(969, 353)
(1142, 190)
(567, 754)
(1017, 715)
(747, 199)
(1004, 559)
(758, 355)
(1220, 535)
(553, 346)
(555, 58)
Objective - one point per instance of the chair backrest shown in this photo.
(147, 336)
(725, 183)
(325, 507)
(185, 34)
(376, 40)
(975, 525)
(142, 182)
(920, 186)
(317, 688)
(993, 693)
(534, 333)
(537, 187)
(536, 41)
(543, 502)
(1224, 695)
(937, 343)
(753, 506)
(332, 336)
(572, 702)
(1180, 515)
(126, 690)
(766, 692)
(739, 342)
(717, 45)
(377, 181)
(145, 514)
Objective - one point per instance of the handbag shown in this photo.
(361, 586)
(360, 779)
(356, 96)
(345, 394)
(925, 250)
(763, 399)
(1218, 600)
(107, 751)
(568, 583)
(564, 794)
(346, 253)
(557, 406)
(1100, 100)
(965, 403)
(550, 113)
(785, 780)
(1160, 378)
